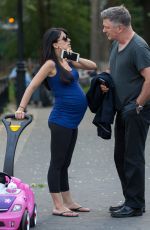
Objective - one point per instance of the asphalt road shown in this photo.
(93, 179)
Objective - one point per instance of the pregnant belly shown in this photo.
(68, 113)
(71, 104)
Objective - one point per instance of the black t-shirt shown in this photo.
(125, 69)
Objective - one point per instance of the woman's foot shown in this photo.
(59, 208)
(73, 206)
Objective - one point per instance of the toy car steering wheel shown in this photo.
(3, 179)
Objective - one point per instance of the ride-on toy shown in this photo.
(18, 210)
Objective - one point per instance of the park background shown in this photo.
(80, 17)
(93, 181)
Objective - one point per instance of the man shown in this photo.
(13, 76)
(130, 71)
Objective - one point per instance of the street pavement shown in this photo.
(93, 179)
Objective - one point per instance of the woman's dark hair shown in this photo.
(51, 36)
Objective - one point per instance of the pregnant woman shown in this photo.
(61, 76)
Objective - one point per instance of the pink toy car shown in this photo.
(18, 210)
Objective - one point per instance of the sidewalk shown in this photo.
(93, 178)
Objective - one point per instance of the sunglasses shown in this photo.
(65, 39)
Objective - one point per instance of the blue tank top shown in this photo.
(70, 101)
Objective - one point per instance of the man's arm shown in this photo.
(145, 92)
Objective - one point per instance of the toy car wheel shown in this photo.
(25, 223)
(33, 219)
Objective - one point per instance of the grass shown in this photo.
(85, 88)
(34, 185)
(11, 92)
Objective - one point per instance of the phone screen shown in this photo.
(70, 56)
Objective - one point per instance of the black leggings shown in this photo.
(63, 141)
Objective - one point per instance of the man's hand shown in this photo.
(104, 88)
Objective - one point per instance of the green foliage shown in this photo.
(74, 15)
(7, 37)
(136, 11)
(39, 15)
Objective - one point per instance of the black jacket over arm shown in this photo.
(102, 104)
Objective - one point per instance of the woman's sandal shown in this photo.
(80, 209)
(65, 214)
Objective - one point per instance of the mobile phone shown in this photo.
(70, 56)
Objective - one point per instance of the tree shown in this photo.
(74, 15)
(145, 4)
(95, 33)
(99, 42)
(80, 17)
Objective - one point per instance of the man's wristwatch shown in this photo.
(139, 108)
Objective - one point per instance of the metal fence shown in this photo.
(4, 98)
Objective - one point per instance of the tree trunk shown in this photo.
(99, 42)
(41, 14)
(95, 33)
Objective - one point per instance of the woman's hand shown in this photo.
(20, 114)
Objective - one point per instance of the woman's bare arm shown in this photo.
(85, 64)
(35, 83)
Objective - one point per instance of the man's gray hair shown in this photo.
(118, 15)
